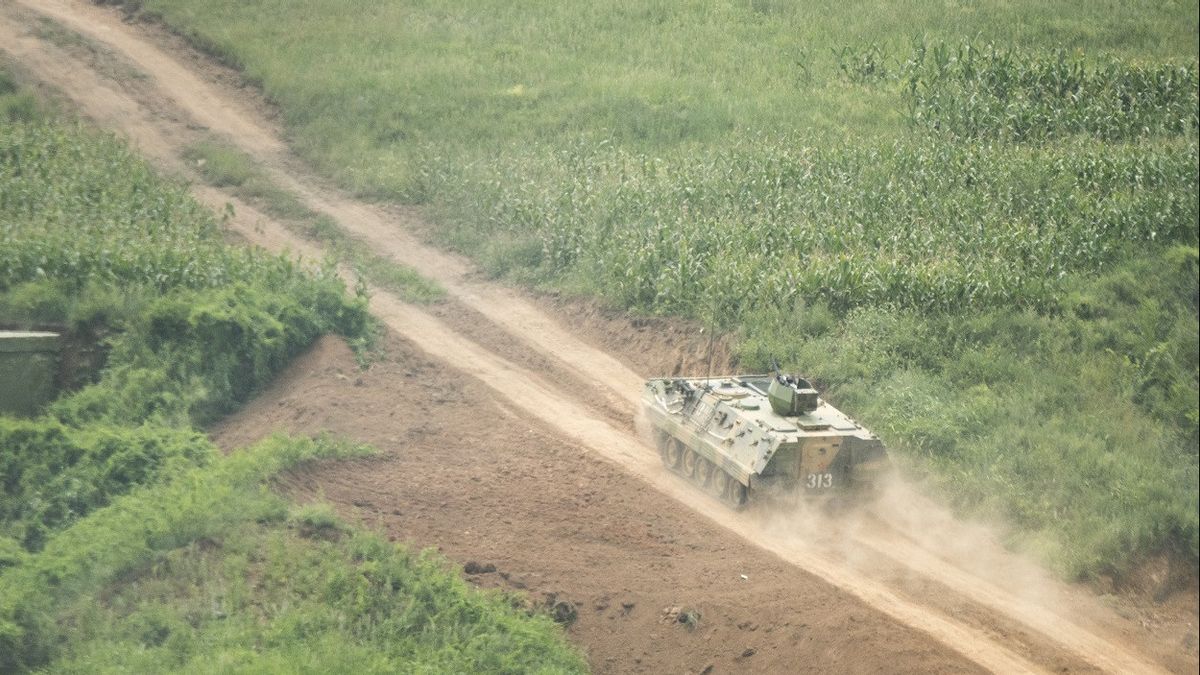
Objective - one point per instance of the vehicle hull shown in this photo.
(724, 434)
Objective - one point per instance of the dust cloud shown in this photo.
(907, 541)
(900, 538)
(897, 533)
(906, 518)
(901, 533)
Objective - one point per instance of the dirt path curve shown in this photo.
(200, 102)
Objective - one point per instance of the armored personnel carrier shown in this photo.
(747, 436)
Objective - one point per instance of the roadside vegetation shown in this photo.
(975, 224)
(226, 167)
(127, 541)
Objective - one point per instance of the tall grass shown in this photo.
(54, 474)
(227, 167)
(205, 573)
(992, 92)
(195, 326)
(131, 269)
(1077, 425)
(371, 94)
(78, 208)
(914, 223)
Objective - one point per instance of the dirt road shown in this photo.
(526, 454)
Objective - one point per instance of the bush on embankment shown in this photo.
(207, 572)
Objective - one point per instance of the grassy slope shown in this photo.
(1065, 402)
(126, 540)
(211, 572)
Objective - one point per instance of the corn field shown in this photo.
(993, 92)
(77, 207)
(920, 223)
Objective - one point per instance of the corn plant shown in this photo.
(924, 223)
(997, 92)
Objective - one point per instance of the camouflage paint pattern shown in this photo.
(732, 422)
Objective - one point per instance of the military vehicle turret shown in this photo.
(744, 437)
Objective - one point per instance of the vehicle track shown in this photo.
(193, 100)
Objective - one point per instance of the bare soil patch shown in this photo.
(461, 472)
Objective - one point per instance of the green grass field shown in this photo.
(974, 223)
(380, 95)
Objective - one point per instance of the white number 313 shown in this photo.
(820, 480)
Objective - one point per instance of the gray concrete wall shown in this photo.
(28, 365)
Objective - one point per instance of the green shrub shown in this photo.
(196, 326)
(192, 355)
(52, 474)
(1077, 425)
(315, 517)
(200, 574)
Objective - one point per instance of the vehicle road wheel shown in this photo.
(670, 450)
(690, 463)
(705, 472)
(719, 484)
(735, 494)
